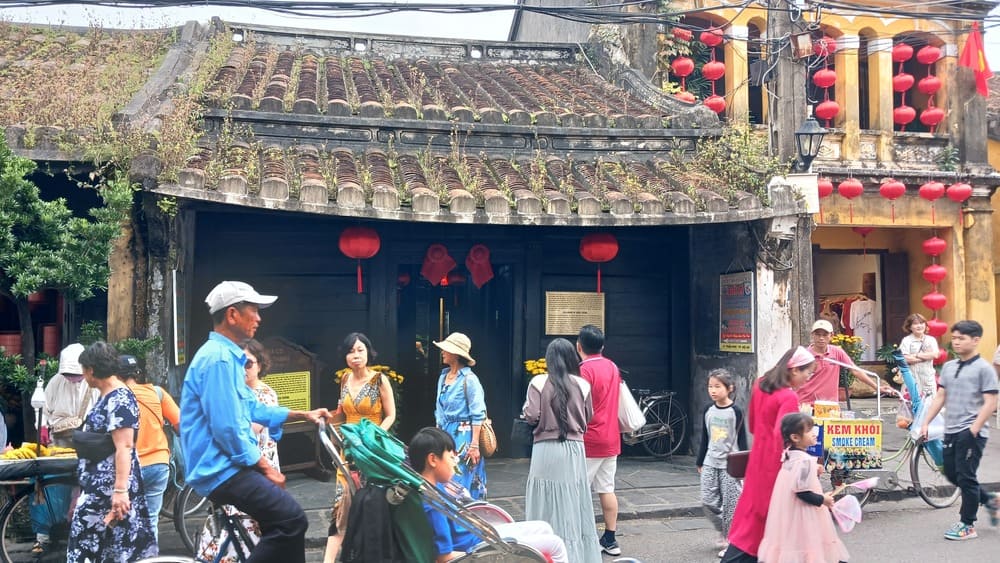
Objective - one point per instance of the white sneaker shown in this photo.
(722, 553)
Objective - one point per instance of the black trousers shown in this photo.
(282, 521)
(962, 452)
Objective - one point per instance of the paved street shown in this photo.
(892, 532)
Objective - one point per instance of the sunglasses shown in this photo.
(249, 364)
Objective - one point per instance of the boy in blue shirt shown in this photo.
(432, 454)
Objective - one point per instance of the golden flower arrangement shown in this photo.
(855, 347)
(387, 371)
(535, 367)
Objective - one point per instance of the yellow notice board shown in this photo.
(292, 389)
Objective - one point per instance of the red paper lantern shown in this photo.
(437, 264)
(824, 78)
(403, 279)
(712, 37)
(903, 115)
(942, 357)
(934, 246)
(935, 301)
(863, 231)
(824, 46)
(901, 52)
(902, 82)
(959, 192)
(359, 243)
(682, 34)
(928, 55)
(935, 273)
(827, 110)
(931, 190)
(929, 85)
(850, 188)
(715, 103)
(892, 189)
(686, 97)
(936, 327)
(931, 117)
(713, 70)
(682, 66)
(825, 187)
(599, 248)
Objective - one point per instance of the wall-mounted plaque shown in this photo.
(292, 389)
(567, 311)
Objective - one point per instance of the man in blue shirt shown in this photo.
(217, 409)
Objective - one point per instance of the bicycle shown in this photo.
(219, 520)
(190, 509)
(17, 534)
(927, 478)
(175, 485)
(666, 423)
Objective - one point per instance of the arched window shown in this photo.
(914, 98)
(822, 61)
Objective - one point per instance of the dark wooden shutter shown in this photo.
(896, 294)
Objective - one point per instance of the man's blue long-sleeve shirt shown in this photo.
(217, 408)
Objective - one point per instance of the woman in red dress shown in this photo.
(771, 398)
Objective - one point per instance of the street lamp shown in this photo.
(808, 140)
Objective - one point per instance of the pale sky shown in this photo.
(489, 26)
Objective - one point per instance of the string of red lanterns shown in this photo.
(713, 69)
(929, 86)
(825, 78)
(903, 114)
(935, 273)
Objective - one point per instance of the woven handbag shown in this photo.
(487, 437)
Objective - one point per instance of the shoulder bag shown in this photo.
(65, 427)
(736, 461)
(630, 417)
(487, 437)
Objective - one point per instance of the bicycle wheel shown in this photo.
(21, 517)
(664, 413)
(840, 480)
(190, 512)
(929, 480)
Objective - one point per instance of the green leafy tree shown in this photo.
(44, 246)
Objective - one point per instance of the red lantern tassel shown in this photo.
(359, 276)
(933, 221)
(598, 278)
(893, 212)
(821, 214)
(852, 211)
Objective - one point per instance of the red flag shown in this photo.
(974, 57)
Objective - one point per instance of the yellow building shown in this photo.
(869, 248)
(905, 110)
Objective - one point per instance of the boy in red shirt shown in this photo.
(602, 441)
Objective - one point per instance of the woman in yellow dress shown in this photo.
(364, 393)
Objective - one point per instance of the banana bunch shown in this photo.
(30, 450)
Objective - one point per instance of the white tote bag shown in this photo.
(630, 417)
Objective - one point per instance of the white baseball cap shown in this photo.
(232, 292)
(823, 325)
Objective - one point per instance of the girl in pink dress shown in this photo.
(771, 398)
(799, 525)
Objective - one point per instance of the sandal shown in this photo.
(39, 548)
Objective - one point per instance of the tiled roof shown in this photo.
(275, 78)
(422, 186)
(55, 80)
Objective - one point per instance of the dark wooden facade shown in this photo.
(297, 258)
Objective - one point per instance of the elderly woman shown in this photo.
(257, 365)
(111, 521)
(460, 409)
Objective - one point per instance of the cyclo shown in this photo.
(36, 500)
